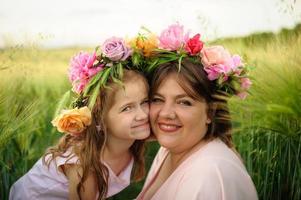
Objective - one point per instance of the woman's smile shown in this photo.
(168, 127)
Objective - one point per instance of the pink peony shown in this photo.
(115, 49)
(194, 45)
(81, 70)
(218, 61)
(216, 55)
(173, 38)
(215, 71)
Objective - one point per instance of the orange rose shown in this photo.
(146, 43)
(73, 121)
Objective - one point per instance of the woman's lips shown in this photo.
(166, 127)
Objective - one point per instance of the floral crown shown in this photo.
(228, 72)
(89, 72)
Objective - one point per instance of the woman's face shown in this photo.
(178, 121)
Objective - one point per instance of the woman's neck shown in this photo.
(177, 157)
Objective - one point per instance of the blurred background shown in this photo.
(37, 39)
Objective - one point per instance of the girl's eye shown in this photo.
(185, 102)
(127, 108)
(145, 102)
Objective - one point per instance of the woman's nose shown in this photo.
(167, 111)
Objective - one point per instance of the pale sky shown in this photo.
(60, 23)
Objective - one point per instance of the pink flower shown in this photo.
(218, 62)
(81, 70)
(194, 45)
(245, 83)
(242, 95)
(216, 55)
(236, 61)
(173, 38)
(115, 49)
(215, 71)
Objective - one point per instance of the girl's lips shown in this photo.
(168, 127)
(141, 126)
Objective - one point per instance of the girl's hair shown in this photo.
(193, 79)
(90, 145)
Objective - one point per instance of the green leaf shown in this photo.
(116, 80)
(152, 66)
(120, 70)
(94, 95)
(92, 82)
(63, 102)
(105, 76)
(180, 61)
(102, 80)
(136, 59)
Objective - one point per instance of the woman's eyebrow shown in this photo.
(157, 94)
(182, 96)
(177, 96)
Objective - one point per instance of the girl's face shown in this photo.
(178, 121)
(128, 117)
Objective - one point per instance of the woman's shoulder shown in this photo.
(216, 153)
(215, 168)
(217, 159)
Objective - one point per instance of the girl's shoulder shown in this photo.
(59, 161)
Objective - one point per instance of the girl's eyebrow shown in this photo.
(129, 103)
(126, 104)
(145, 98)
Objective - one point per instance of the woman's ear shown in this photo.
(211, 112)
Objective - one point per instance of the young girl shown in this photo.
(102, 149)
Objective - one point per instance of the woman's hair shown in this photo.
(193, 79)
(90, 145)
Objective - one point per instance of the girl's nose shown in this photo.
(142, 113)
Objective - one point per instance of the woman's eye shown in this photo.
(156, 100)
(185, 102)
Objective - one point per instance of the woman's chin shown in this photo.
(167, 141)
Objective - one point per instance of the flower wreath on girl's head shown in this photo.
(89, 72)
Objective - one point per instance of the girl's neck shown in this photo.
(116, 148)
(117, 154)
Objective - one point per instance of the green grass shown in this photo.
(267, 126)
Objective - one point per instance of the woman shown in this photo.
(190, 119)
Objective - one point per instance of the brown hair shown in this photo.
(196, 84)
(90, 145)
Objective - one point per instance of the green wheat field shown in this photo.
(267, 125)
